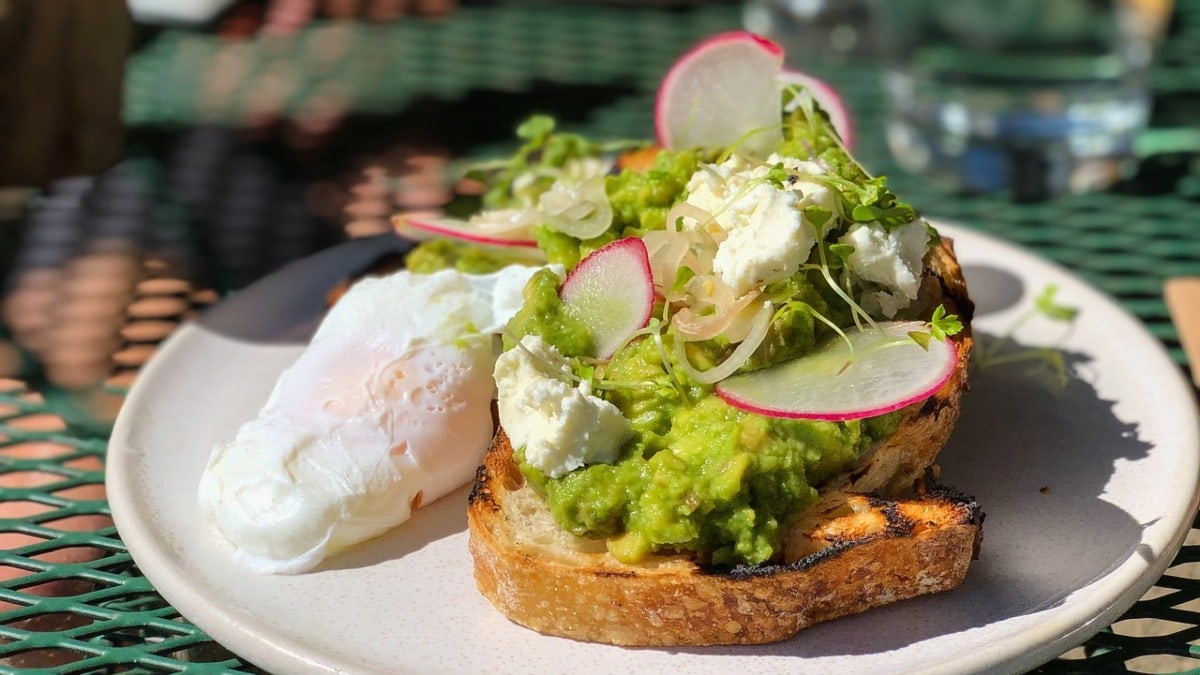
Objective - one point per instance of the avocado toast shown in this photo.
(879, 533)
(721, 404)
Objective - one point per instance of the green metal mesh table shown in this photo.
(74, 599)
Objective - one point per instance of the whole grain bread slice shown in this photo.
(880, 533)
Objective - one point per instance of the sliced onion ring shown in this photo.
(740, 324)
(686, 210)
(581, 211)
(739, 357)
(512, 223)
(709, 327)
(666, 249)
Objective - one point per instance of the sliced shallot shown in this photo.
(719, 323)
(739, 357)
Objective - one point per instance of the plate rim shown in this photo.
(1057, 633)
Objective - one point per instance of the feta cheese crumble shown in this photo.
(561, 427)
(892, 260)
(761, 233)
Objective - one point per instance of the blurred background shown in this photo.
(159, 154)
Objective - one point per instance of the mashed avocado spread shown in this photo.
(437, 254)
(698, 474)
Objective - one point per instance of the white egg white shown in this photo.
(388, 408)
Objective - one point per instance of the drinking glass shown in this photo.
(1041, 97)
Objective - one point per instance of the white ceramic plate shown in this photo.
(1088, 492)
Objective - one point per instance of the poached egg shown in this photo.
(388, 408)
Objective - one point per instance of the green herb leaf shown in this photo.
(837, 255)
(817, 216)
(1048, 307)
(841, 251)
(865, 213)
(536, 128)
(777, 175)
(920, 337)
(935, 237)
(584, 371)
(943, 325)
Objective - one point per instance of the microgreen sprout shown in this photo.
(867, 198)
(806, 104)
(856, 310)
(777, 175)
(652, 331)
(744, 138)
(797, 304)
(941, 326)
(841, 255)
(1046, 305)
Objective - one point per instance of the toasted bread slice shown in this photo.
(850, 553)
(876, 536)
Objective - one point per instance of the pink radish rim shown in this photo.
(643, 261)
(843, 416)
(434, 227)
(829, 100)
(673, 73)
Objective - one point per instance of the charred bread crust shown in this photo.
(860, 552)
(881, 533)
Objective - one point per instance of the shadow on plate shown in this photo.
(443, 518)
(993, 289)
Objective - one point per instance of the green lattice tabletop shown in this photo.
(76, 599)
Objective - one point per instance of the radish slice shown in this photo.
(612, 292)
(886, 372)
(826, 97)
(721, 90)
(505, 230)
(729, 86)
